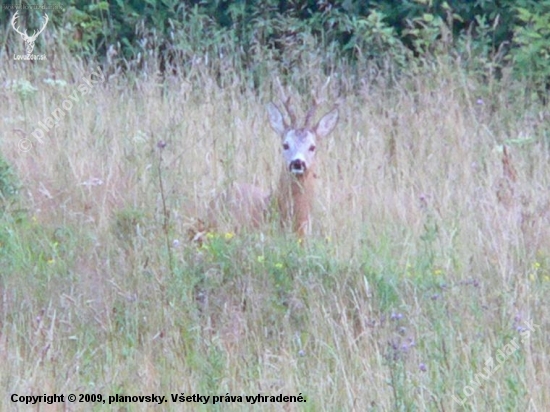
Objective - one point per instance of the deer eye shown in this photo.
(312, 148)
(286, 146)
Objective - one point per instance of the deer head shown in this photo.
(295, 192)
(29, 40)
(300, 142)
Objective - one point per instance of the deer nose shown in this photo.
(298, 166)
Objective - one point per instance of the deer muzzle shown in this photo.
(297, 167)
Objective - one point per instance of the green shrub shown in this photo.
(531, 44)
(8, 183)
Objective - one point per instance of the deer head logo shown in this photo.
(29, 40)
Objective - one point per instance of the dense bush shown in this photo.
(8, 183)
(378, 34)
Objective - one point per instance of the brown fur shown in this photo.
(295, 200)
(244, 204)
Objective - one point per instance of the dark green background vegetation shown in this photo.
(259, 37)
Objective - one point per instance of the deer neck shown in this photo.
(295, 199)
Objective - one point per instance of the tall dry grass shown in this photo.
(429, 250)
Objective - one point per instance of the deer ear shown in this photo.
(276, 119)
(327, 123)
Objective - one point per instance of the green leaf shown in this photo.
(428, 17)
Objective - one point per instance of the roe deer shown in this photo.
(247, 205)
(295, 192)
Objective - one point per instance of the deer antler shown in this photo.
(315, 104)
(25, 35)
(46, 19)
(13, 20)
(290, 112)
(311, 112)
(286, 104)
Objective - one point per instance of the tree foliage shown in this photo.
(380, 34)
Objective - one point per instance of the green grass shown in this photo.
(423, 261)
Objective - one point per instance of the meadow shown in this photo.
(421, 286)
